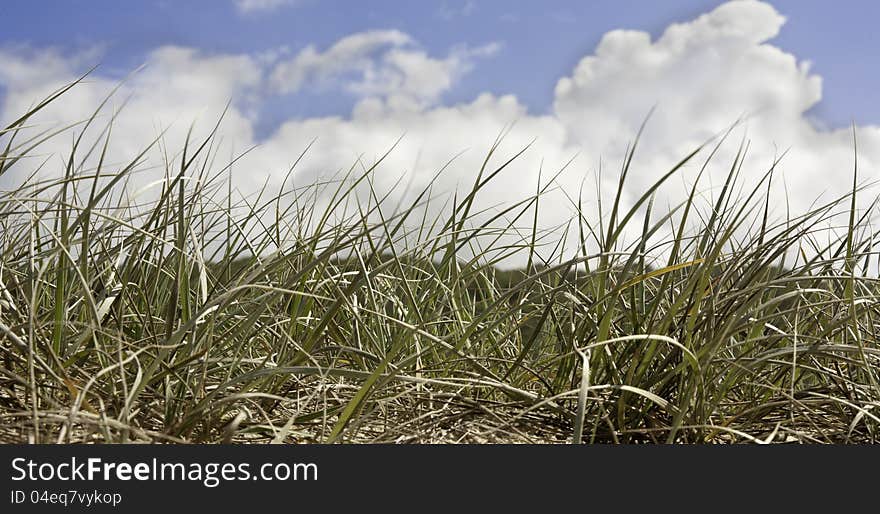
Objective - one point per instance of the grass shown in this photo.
(201, 316)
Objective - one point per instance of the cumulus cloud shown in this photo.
(176, 88)
(700, 76)
(353, 52)
(380, 63)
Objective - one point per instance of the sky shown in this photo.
(539, 45)
(576, 77)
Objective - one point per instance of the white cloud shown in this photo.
(379, 63)
(177, 87)
(450, 12)
(252, 6)
(701, 76)
(351, 53)
(411, 74)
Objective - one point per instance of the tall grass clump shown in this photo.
(192, 315)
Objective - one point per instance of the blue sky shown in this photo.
(539, 44)
(575, 78)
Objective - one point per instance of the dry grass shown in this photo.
(197, 318)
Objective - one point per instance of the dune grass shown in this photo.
(196, 317)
